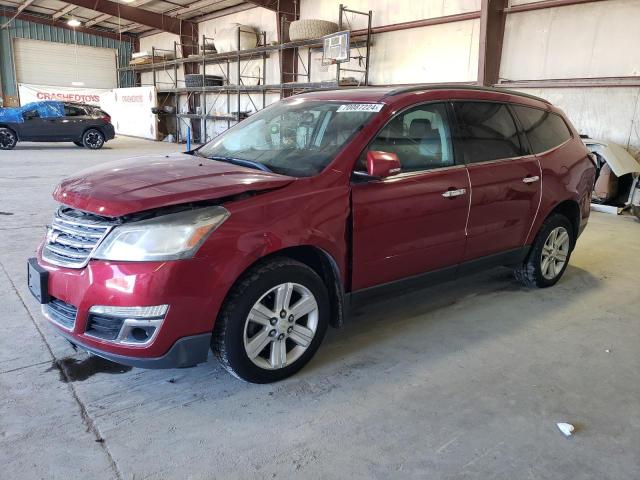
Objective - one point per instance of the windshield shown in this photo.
(297, 138)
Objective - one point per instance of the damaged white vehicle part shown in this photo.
(621, 163)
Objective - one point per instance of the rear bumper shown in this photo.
(109, 132)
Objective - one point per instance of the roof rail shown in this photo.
(415, 88)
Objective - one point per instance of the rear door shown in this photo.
(504, 176)
(71, 126)
(413, 222)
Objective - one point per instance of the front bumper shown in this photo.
(186, 352)
(189, 287)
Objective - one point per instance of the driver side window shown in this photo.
(30, 114)
(420, 137)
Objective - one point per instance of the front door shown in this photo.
(505, 178)
(33, 127)
(413, 222)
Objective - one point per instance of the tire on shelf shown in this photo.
(308, 29)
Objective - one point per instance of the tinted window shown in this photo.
(545, 130)
(420, 137)
(487, 131)
(70, 111)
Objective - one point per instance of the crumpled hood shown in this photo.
(142, 183)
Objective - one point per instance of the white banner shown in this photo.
(129, 108)
(38, 93)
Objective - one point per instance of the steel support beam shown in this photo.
(187, 31)
(63, 24)
(527, 7)
(492, 20)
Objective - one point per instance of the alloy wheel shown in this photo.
(94, 140)
(7, 139)
(555, 253)
(280, 326)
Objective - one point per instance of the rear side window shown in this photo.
(545, 130)
(71, 111)
(486, 131)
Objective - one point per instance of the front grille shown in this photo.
(73, 235)
(60, 312)
(106, 328)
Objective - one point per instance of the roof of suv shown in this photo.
(378, 94)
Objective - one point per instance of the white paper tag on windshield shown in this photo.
(360, 107)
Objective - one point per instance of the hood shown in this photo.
(619, 159)
(143, 183)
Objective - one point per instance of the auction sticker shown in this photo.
(360, 107)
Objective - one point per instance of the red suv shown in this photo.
(254, 243)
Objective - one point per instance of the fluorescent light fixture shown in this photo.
(77, 84)
(127, 1)
(73, 22)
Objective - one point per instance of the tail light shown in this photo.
(106, 118)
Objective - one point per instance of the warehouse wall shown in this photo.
(438, 53)
(581, 41)
(590, 40)
(37, 31)
(261, 19)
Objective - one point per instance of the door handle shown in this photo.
(454, 193)
(532, 179)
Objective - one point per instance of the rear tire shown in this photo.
(264, 333)
(93, 139)
(549, 255)
(79, 144)
(8, 139)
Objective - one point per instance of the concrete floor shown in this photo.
(466, 380)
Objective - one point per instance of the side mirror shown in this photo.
(382, 164)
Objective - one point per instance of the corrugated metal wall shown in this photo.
(38, 31)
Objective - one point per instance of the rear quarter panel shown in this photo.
(567, 174)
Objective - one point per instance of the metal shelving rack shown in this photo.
(225, 61)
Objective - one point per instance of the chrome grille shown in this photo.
(73, 235)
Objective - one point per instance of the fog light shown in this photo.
(125, 325)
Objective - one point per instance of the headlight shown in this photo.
(168, 237)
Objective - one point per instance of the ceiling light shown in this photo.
(77, 84)
(73, 22)
(127, 1)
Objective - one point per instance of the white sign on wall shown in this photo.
(129, 108)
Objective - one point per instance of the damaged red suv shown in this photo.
(254, 243)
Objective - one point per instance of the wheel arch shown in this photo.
(9, 127)
(320, 262)
(94, 127)
(571, 210)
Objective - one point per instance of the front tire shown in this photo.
(549, 254)
(8, 139)
(93, 139)
(273, 321)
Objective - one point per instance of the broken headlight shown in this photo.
(168, 237)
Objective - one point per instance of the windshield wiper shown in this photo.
(243, 163)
